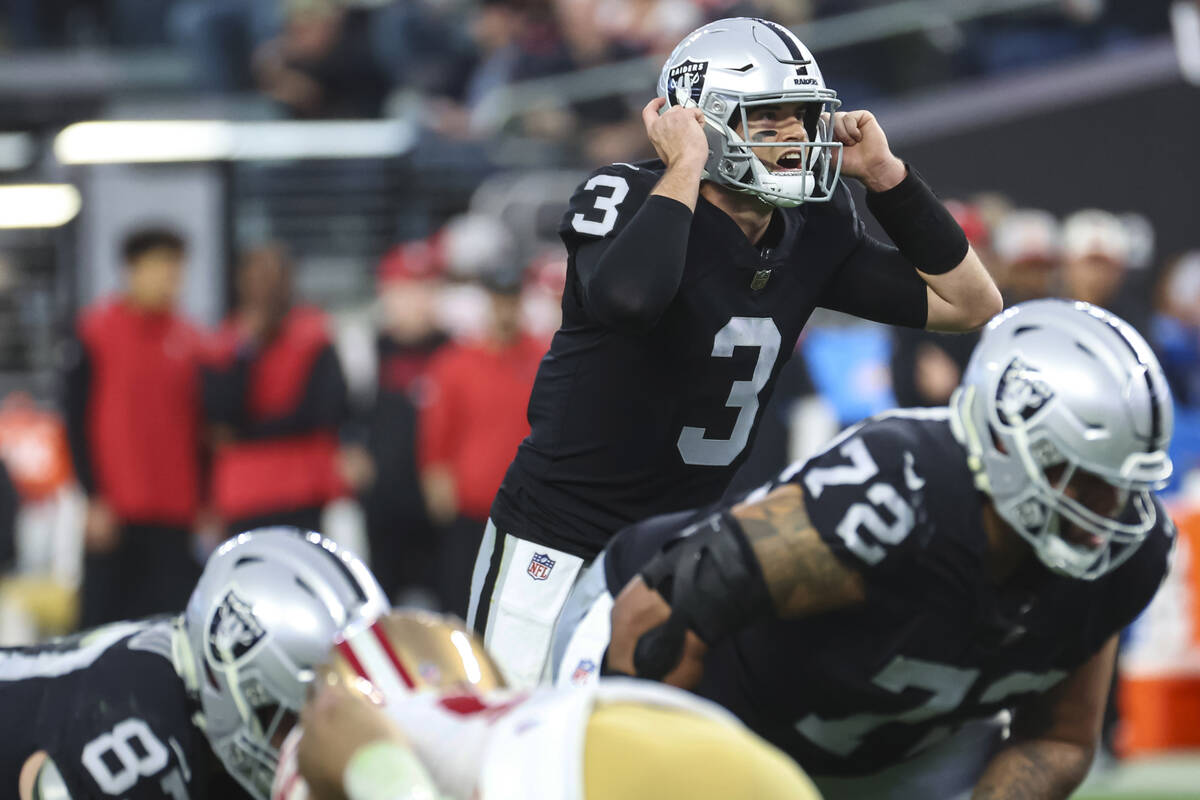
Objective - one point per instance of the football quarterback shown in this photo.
(412, 707)
(882, 611)
(190, 706)
(689, 281)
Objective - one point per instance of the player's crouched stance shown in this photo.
(175, 706)
(876, 610)
(412, 708)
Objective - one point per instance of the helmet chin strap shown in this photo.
(963, 428)
(182, 657)
(230, 672)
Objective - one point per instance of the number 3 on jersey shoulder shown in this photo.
(608, 203)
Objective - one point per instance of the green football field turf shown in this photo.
(1169, 777)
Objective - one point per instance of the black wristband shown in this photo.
(924, 231)
(714, 584)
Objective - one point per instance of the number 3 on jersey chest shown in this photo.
(694, 445)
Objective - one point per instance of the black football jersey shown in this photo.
(110, 710)
(936, 644)
(625, 426)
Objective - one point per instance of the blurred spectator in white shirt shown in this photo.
(1027, 246)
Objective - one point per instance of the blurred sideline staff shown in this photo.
(274, 398)
(387, 366)
(133, 415)
(1086, 258)
(470, 424)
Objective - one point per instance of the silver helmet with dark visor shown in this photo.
(1056, 388)
(736, 64)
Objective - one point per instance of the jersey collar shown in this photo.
(738, 248)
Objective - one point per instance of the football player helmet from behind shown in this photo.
(262, 617)
(1055, 388)
(411, 651)
(390, 659)
(731, 65)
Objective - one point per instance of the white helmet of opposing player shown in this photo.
(1063, 387)
(734, 64)
(262, 617)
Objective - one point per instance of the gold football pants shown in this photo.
(637, 752)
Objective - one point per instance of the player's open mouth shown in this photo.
(1081, 538)
(791, 161)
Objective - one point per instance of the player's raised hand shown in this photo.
(677, 135)
(865, 152)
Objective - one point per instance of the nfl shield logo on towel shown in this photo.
(540, 566)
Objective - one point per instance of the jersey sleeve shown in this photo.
(129, 738)
(865, 496)
(288, 783)
(603, 205)
(874, 281)
(627, 248)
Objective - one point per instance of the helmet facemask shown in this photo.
(1042, 513)
(251, 752)
(732, 161)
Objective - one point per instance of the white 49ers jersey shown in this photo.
(508, 745)
(619, 739)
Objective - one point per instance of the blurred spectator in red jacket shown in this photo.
(469, 429)
(274, 398)
(405, 340)
(133, 416)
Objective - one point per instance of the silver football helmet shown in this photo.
(1066, 387)
(734, 64)
(262, 617)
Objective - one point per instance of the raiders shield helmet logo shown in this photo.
(233, 631)
(1021, 392)
(685, 81)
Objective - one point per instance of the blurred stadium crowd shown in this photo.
(364, 58)
(389, 416)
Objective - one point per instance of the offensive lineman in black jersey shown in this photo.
(873, 609)
(689, 281)
(191, 706)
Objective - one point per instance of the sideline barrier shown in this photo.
(1159, 691)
